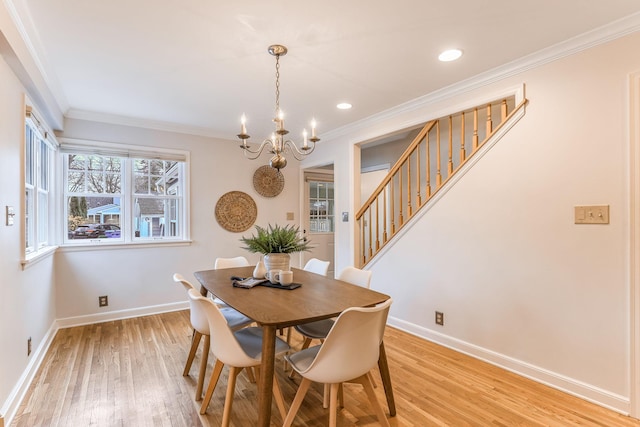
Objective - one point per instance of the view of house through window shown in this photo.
(112, 198)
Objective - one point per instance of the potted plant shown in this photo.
(276, 243)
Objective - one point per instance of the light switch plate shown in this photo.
(595, 214)
(11, 213)
(289, 216)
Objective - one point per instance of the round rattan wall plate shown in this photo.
(236, 211)
(268, 181)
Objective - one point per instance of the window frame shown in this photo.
(128, 153)
(38, 222)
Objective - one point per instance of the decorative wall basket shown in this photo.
(268, 181)
(236, 211)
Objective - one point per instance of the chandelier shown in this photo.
(277, 144)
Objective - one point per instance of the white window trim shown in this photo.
(33, 119)
(73, 145)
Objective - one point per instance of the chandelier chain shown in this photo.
(277, 85)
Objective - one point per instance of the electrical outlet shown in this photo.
(103, 301)
(439, 318)
(29, 346)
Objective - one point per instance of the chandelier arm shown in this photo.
(297, 153)
(254, 154)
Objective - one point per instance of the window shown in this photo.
(123, 196)
(38, 205)
(321, 216)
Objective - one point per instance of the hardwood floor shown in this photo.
(129, 373)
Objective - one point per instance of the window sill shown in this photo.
(36, 257)
(120, 245)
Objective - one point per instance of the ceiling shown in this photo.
(197, 65)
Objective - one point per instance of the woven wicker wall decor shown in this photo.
(236, 211)
(268, 181)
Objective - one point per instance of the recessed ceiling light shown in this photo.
(344, 106)
(450, 55)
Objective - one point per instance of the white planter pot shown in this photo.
(277, 261)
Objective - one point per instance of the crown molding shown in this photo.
(595, 37)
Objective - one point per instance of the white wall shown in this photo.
(141, 277)
(27, 298)
(519, 283)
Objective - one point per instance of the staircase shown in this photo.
(438, 152)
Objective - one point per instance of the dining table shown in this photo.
(319, 297)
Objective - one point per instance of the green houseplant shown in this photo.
(276, 243)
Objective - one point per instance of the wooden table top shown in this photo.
(318, 298)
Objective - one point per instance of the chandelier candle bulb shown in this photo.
(304, 140)
(313, 128)
(243, 127)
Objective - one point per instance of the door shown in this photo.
(319, 218)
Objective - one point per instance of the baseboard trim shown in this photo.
(563, 383)
(10, 407)
(69, 322)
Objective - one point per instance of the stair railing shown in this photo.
(422, 170)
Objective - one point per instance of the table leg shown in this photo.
(383, 365)
(203, 291)
(265, 385)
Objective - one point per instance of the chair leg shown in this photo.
(333, 405)
(371, 394)
(195, 340)
(325, 395)
(228, 401)
(297, 401)
(373, 382)
(215, 376)
(279, 399)
(203, 366)
(252, 378)
(306, 343)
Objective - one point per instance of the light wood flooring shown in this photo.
(129, 373)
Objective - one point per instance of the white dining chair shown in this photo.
(314, 265)
(234, 319)
(320, 328)
(220, 262)
(317, 266)
(240, 349)
(351, 349)
(238, 261)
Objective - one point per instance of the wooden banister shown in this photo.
(407, 187)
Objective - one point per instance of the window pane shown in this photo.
(43, 218)
(75, 182)
(94, 174)
(321, 205)
(156, 177)
(94, 163)
(29, 220)
(44, 166)
(76, 162)
(95, 182)
(141, 184)
(29, 160)
(93, 217)
(156, 217)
